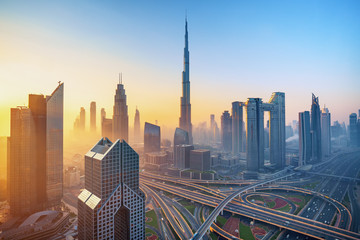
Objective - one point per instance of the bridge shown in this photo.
(335, 176)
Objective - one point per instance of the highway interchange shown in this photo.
(313, 221)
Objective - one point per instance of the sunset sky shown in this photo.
(238, 49)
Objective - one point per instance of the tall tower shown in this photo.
(137, 126)
(111, 206)
(237, 126)
(316, 129)
(185, 107)
(325, 132)
(304, 138)
(82, 119)
(120, 116)
(93, 116)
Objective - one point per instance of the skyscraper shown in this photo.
(254, 134)
(304, 138)
(82, 119)
(151, 138)
(237, 126)
(185, 106)
(137, 126)
(111, 206)
(93, 116)
(226, 131)
(316, 130)
(120, 116)
(212, 128)
(325, 132)
(353, 129)
(36, 154)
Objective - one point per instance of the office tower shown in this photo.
(185, 106)
(200, 160)
(36, 154)
(137, 126)
(237, 127)
(106, 128)
(325, 132)
(315, 129)
(151, 138)
(226, 131)
(93, 116)
(353, 129)
(103, 113)
(120, 116)
(82, 119)
(181, 137)
(304, 138)
(288, 131)
(254, 134)
(3, 157)
(182, 156)
(111, 206)
(276, 108)
(212, 128)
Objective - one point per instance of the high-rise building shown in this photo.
(254, 134)
(237, 127)
(35, 171)
(111, 206)
(316, 129)
(304, 138)
(185, 106)
(137, 126)
(182, 156)
(181, 137)
(325, 132)
(212, 128)
(353, 129)
(152, 138)
(106, 128)
(103, 114)
(200, 160)
(120, 116)
(82, 119)
(93, 116)
(3, 157)
(226, 131)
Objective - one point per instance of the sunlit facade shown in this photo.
(120, 125)
(152, 138)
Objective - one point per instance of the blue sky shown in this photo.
(238, 49)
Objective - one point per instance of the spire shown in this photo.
(186, 34)
(120, 78)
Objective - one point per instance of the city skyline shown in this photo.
(297, 58)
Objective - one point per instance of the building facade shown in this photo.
(237, 127)
(226, 131)
(137, 136)
(325, 132)
(304, 138)
(111, 206)
(152, 138)
(353, 131)
(93, 116)
(200, 160)
(315, 130)
(120, 119)
(182, 156)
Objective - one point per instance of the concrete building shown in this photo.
(325, 132)
(152, 138)
(304, 138)
(200, 160)
(120, 119)
(226, 131)
(71, 177)
(316, 130)
(106, 128)
(35, 160)
(185, 106)
(237, 127)
(254, 134)
(111, 206)
(93, 116)
(182, 156)
(137, 137)
(82, 121)
(353, 130)
(181, 137)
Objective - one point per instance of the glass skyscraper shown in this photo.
(111, 206)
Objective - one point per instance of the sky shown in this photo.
(238, 49)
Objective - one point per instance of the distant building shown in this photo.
(353, 132)
(120, 114)
(137, 137)
(71, 177)
(111, 206)
(181, 137)
(325, 132)
(106, 128)
(316, 130)
(152, 138)
(200, 160)
(226, 131)
(3, 157)
(93, 116)
(304, 138)
(82, 119)
(156, 160)
(182, 156)
(35, 170)
(212, 128)
(103, 114)
(237, 127)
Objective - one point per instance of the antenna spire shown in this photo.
(120, 78)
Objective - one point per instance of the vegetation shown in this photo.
(213, 236)
(188, 205)
(245, 232)
(285, 208)
(148, 230)
(220, 221)
(154, 221)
